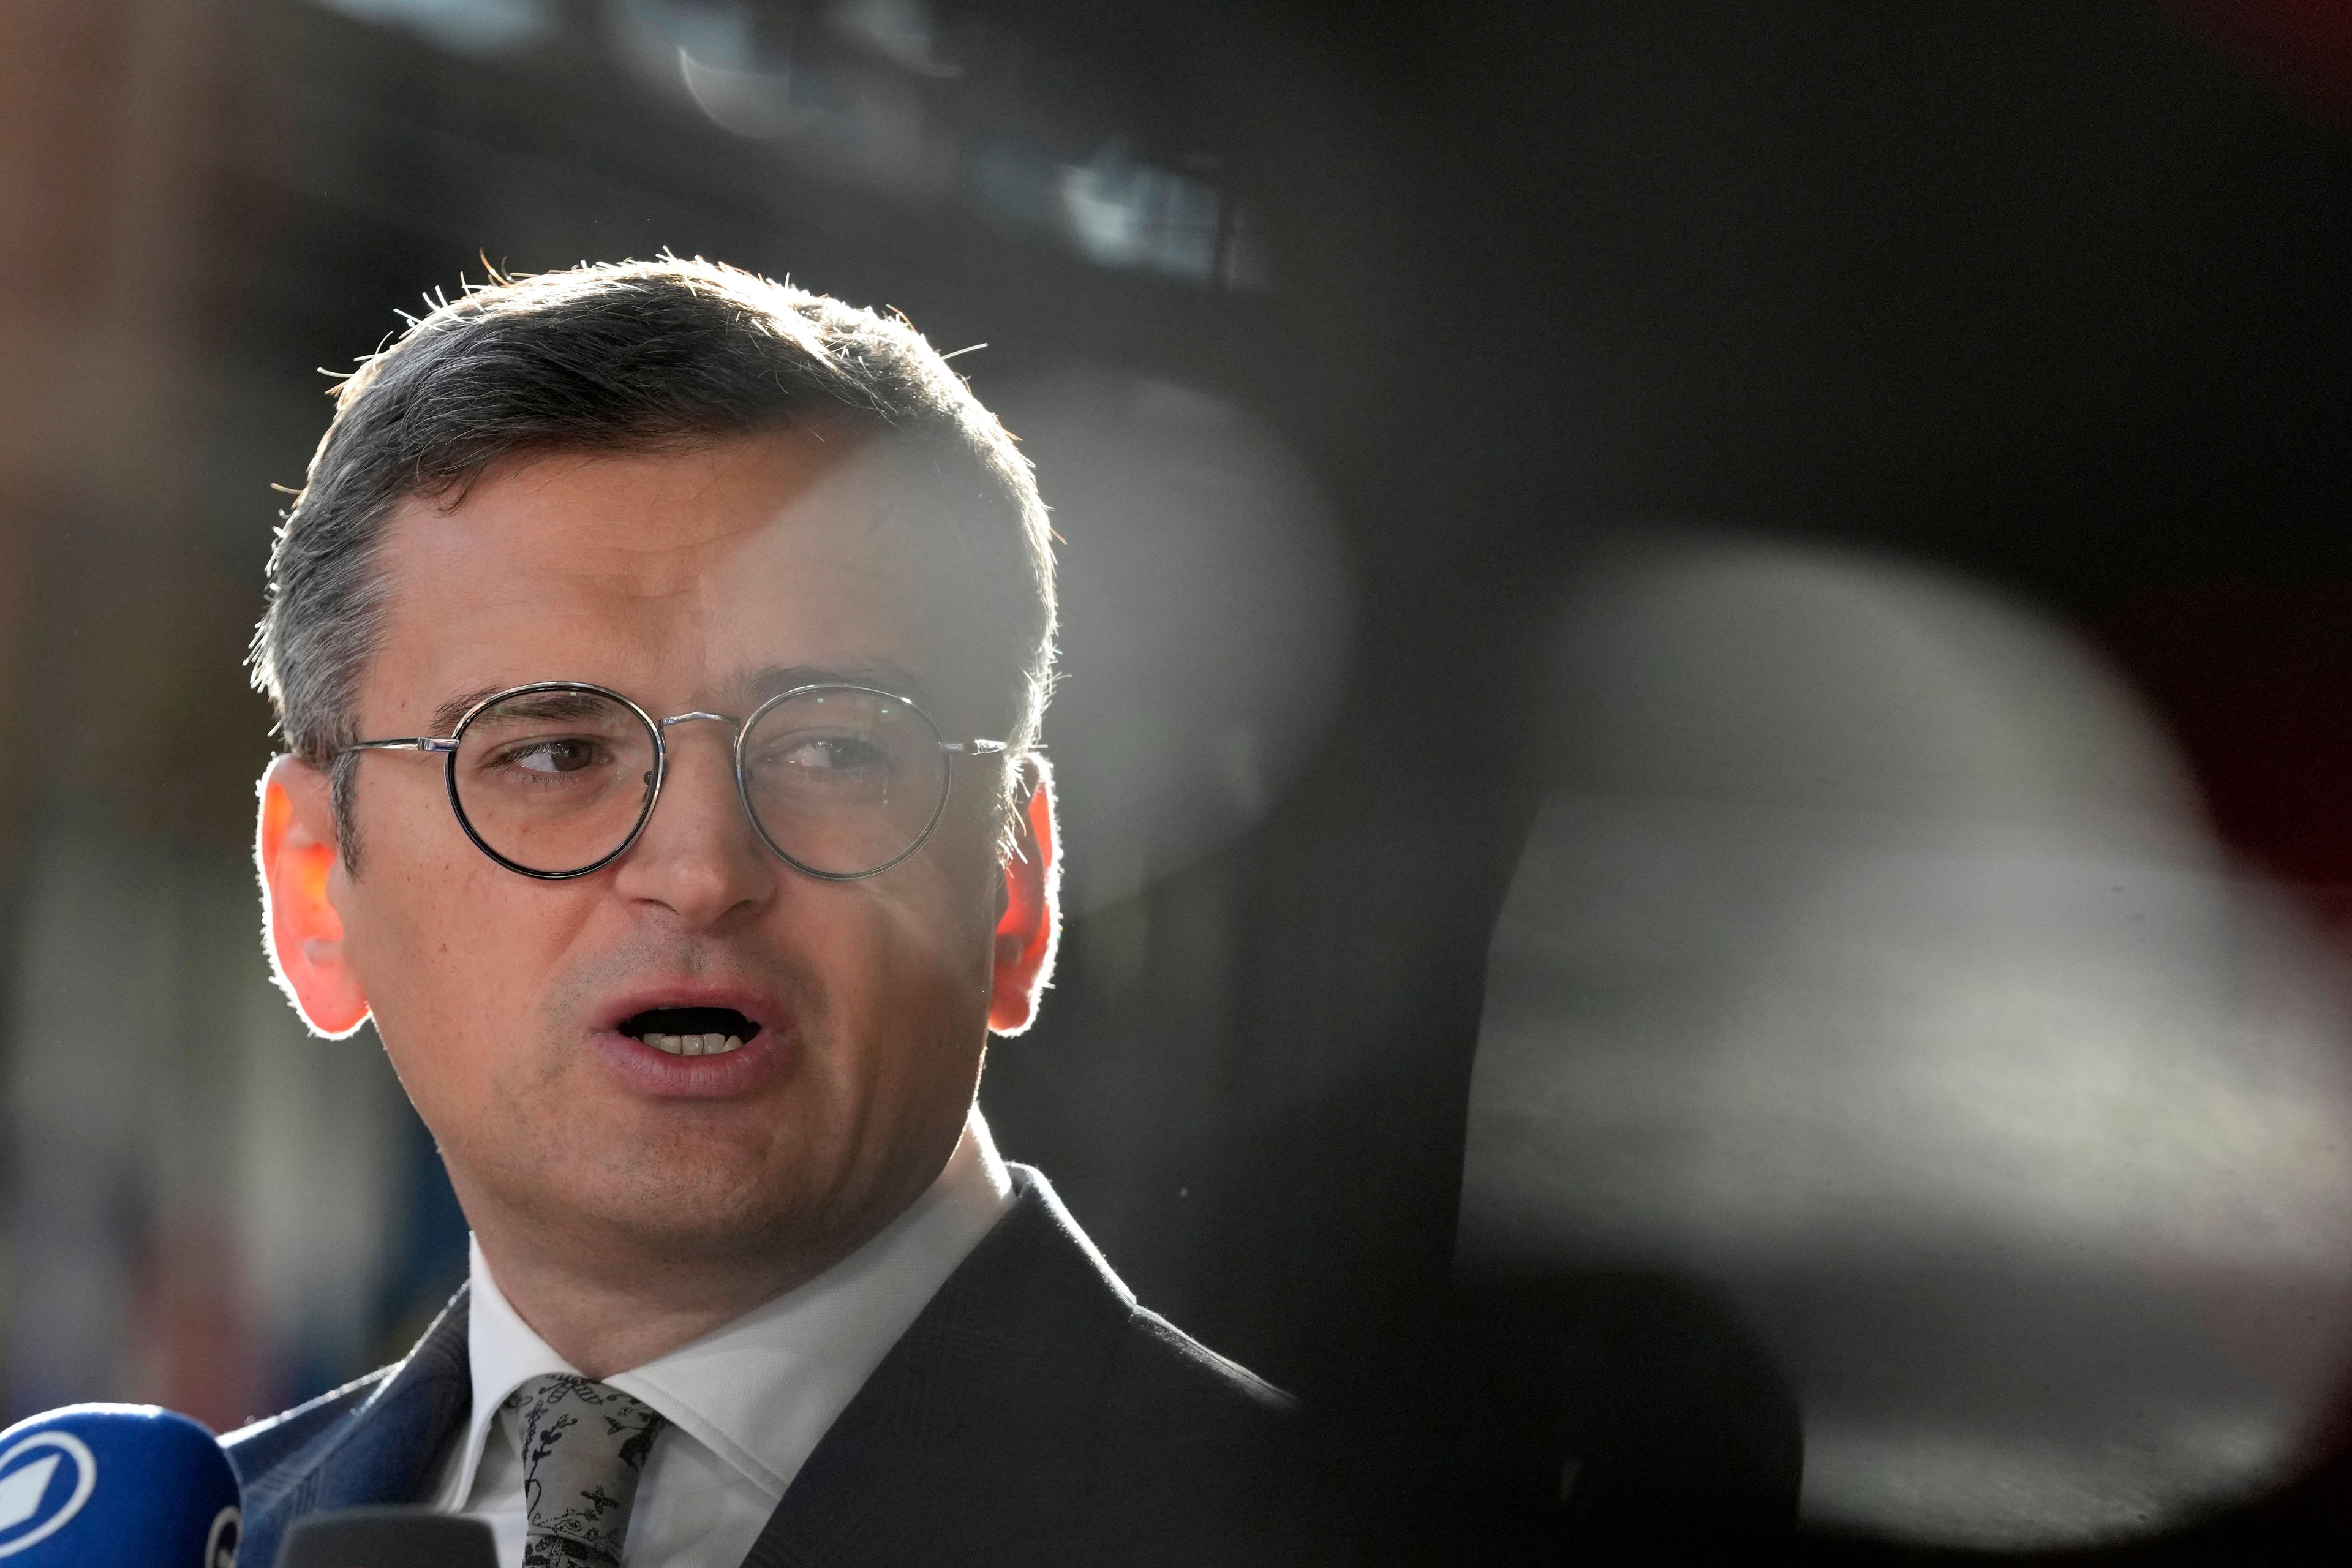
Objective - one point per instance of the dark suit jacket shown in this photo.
(1034, 1414)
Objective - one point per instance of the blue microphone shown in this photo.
(116, 1485)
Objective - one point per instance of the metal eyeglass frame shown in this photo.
(447, 745)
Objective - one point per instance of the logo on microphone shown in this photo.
(220, 1544)
(43, 1481)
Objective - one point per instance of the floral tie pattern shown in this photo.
(584, 1447)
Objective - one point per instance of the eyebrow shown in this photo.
(880, 674)
(447, 718)
(756, 687)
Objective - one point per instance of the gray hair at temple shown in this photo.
(612, 357)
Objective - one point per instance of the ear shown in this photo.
(298, 855)
(1031, 924)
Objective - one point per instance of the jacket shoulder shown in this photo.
(1199, 1459)
(372, 1441)
(284, 1442)
(1163, 1367)
(1044, 1274)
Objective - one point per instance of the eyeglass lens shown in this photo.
(843, 782)
(839, 782)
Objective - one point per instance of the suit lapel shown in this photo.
(398, 1435)
(384, 1451)
(972, 1442)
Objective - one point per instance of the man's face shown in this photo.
(704, 578)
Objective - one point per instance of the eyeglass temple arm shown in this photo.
(445, 743)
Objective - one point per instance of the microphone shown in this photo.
(116, 1485)
(388, 1538)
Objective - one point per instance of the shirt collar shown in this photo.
(760, 1391)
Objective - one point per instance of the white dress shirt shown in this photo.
(747, 1403)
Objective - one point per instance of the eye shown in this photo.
(831, 761)
(829, 754)
(551, 755)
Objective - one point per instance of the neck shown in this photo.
(605, 1323)
(607, 1306)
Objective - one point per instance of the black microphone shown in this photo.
(116, 1485)
(387, 1538)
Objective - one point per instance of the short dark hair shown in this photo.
(617, 357)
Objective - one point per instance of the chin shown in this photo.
(689, 1214)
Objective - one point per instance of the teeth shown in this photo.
(695, 1045)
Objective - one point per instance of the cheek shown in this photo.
(918, 939)
(453, 953)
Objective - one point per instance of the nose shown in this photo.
(698, 857)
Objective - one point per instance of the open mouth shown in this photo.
(691, 1031)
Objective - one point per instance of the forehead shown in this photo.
(674, 574)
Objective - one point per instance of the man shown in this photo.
(659, 654)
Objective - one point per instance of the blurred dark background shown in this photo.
(1364, 350)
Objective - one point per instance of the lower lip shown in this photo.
(656, 1073)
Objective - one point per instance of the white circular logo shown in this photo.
(24, 1486)
(220, 1545)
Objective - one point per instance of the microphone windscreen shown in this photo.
(116, 1485)
(388, 1538)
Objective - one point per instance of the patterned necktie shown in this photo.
(584, 1447)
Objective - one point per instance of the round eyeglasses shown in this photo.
(557, 779)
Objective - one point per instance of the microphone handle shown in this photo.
(387, 1538)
